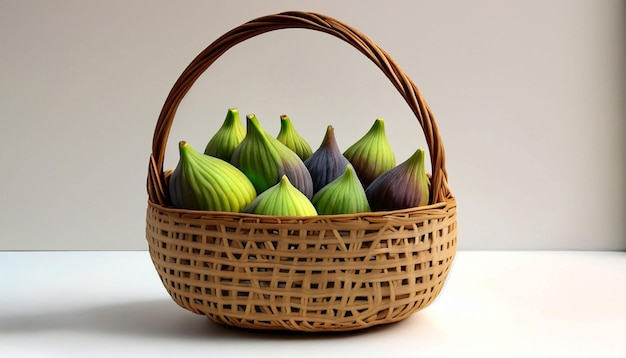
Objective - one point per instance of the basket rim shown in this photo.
(432, 209)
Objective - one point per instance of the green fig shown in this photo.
(202, 182)
(344, 195)
(227, 138)
(292, 139)
(326, 163)
(404, 186)
(265, 160)
(372, 154)
(282, 199)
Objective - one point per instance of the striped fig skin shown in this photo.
(292, 139)
(202, 182)
(344, 195)
(404, 186)
(282, 199)
(264, 160)
(372, 154)
(326, 163)
(227, 138)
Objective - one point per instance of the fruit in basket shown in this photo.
(264, 160)
(326, 163)
(344, 195)
(282, 199)
(292, 139)
(372, 154)
(227, 137)
(404, 186)
(202, 182)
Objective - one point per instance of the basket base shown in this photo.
(304, 328)
(301, 324)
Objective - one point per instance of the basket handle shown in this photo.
(305, 20)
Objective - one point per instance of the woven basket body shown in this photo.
(324, 273)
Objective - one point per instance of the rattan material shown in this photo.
(326, 273)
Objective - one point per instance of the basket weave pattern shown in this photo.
(324, 273)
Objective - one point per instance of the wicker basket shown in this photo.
(325, 273)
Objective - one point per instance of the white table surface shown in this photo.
(495, 304)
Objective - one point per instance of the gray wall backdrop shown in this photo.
(529, 97)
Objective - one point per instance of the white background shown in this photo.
(535, 304)
(528, 96)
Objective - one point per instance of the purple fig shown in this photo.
(326, 163)
(404, 186)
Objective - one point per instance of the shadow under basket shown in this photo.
(321, 273)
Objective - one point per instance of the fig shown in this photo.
(326, 163)
(202, 182)
(344, 195)
(264, 160)
(372, 154)
(404, 186)
(292, 139)
(282, 199)
(227, 138)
